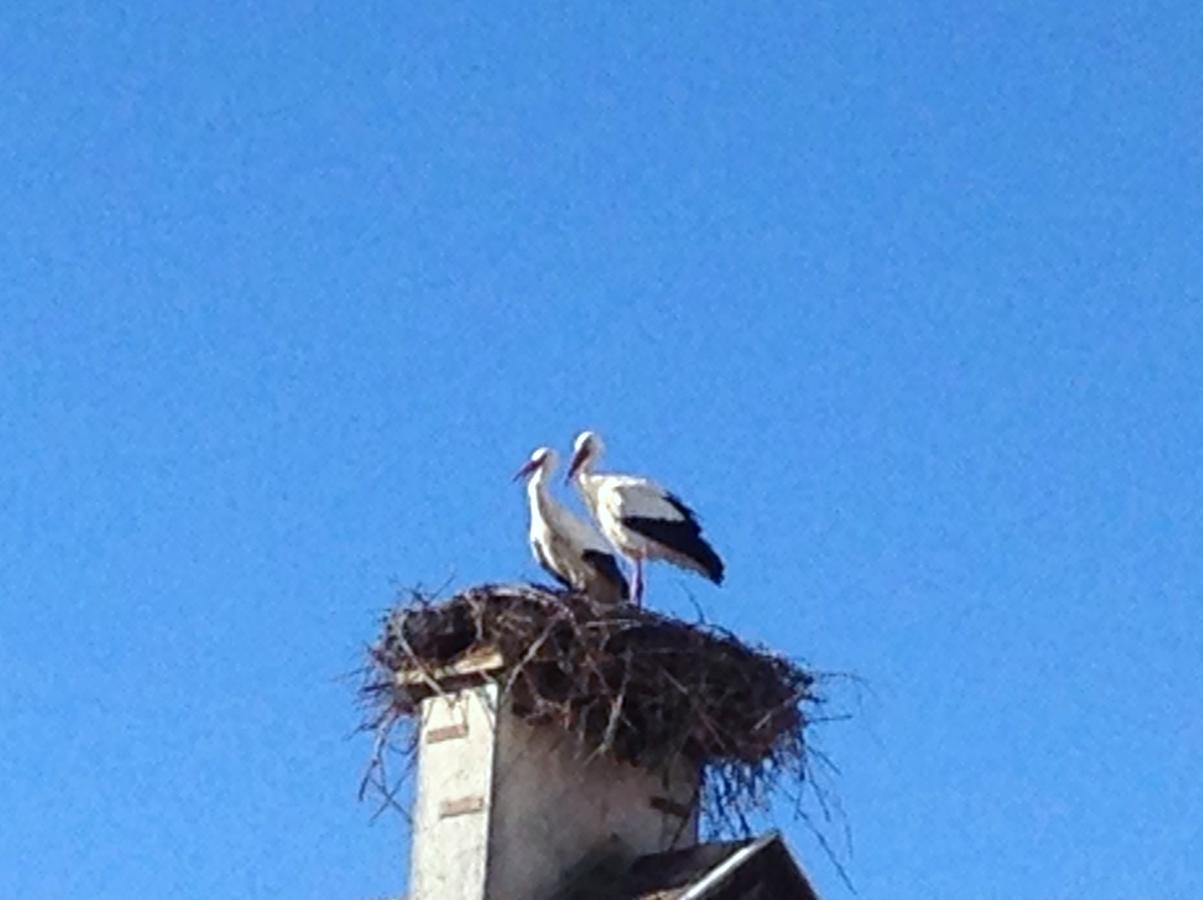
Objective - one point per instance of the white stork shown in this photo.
(569, 549)
(640, 518)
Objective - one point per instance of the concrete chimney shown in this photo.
(505, 809)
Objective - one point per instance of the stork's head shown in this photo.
(543, 459)
(585, 450)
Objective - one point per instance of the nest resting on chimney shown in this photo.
(641, 686)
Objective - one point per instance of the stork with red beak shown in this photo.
(640, 518)
(569, 549)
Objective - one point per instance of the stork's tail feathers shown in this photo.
(683, 541)
(709, 562)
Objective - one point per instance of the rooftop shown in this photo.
(753, 869)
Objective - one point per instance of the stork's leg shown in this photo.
(637, 588)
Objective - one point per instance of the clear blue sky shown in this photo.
(904, 297)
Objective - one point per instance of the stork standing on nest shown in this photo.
(569, 549)
(640, 518)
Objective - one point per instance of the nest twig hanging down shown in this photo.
(645, 688)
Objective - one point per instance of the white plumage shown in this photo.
(569, 549)
(640, 518)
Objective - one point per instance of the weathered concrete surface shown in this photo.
(504, 809)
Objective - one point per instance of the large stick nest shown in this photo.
(645, 688)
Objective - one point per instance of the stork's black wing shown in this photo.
(683, 535)
(606, 567)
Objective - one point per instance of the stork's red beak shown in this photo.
(528, 468)
(577, 459)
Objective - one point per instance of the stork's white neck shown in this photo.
(588, 484)
(536, 489)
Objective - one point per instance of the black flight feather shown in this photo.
(683, 536)
(683, 508)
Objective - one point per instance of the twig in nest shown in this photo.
(638, 686)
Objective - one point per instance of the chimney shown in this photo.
(504, 809)
(558, 743)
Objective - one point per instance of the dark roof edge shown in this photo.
(716, 876)
(714, 880)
